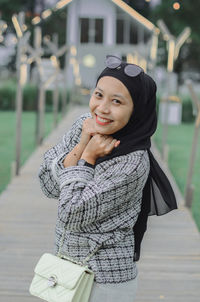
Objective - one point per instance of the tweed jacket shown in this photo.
(98, 207)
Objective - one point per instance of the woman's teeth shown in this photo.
(103, 120)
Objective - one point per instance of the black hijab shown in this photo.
(158, 196)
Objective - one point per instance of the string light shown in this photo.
(73, 50)
(17, 26)
(62, 3)
(36, 20)
(46, 13)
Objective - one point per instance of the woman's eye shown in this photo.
(98, 94)
(116, 101)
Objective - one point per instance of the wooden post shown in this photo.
(174, 45)
(42, 91)
(18, 109)
(35, 55)
(64, 90)
(55, 102)
(41, 103)
(57, 52)
(165, 146)
(188, 189)
(37, 46)
(56, 89)
(18, 23)
(154, 49)
(41, 99)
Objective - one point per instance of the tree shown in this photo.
(8, 8)
(176, 21)
(141, 6)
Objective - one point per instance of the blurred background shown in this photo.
(52, 51)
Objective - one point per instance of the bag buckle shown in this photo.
(52, 281)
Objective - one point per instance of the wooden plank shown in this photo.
(169, 267)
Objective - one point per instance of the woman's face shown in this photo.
(111, 105)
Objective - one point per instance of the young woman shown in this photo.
(104, 174)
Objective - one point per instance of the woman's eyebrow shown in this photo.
(119, 96)
(115, 95)
(99, 88)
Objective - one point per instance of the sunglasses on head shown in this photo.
(131, 70)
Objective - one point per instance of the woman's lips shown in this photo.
(102, 121)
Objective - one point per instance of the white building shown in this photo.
(96, 28)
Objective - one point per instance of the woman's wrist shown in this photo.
(84, 140)
(88, 158)
(82, 145)
(72, 158)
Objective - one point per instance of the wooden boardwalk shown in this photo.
(169, 268)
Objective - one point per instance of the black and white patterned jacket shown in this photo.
(98, 207)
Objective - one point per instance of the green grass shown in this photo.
(7, 140)
(180, 142)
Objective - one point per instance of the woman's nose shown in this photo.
(104, 106)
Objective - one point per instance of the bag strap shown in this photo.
(83, 263)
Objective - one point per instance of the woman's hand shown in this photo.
(98, 146)
(88, 130)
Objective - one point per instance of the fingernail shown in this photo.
(117, 143)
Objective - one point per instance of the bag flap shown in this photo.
(67, 273)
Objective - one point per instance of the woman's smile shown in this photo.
(102, 120)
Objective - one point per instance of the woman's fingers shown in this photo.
(110, 144)
(87, 131)
(101, 145)
(88, 126)
(109, 139)
(112, 141)
(117, 144)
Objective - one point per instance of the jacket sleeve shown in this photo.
(49, 168)
(105, 202)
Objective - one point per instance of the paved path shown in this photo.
(169, 268)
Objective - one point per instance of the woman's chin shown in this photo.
(107, 130)
(99, 129)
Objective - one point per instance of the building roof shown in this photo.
(135, 15)
(121, 4)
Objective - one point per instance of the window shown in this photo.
(98, 30)
(120, 31)
(128, 32)
(133, 34)
(91, 30)
(84, 24)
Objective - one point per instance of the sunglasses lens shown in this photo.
(112, 62)
(132, 70)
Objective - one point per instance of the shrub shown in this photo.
(187, 110)
(30, 95)
(7, 96)
(29, 98)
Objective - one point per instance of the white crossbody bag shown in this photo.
(59, 278)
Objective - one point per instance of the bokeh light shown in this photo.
(176, 5)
